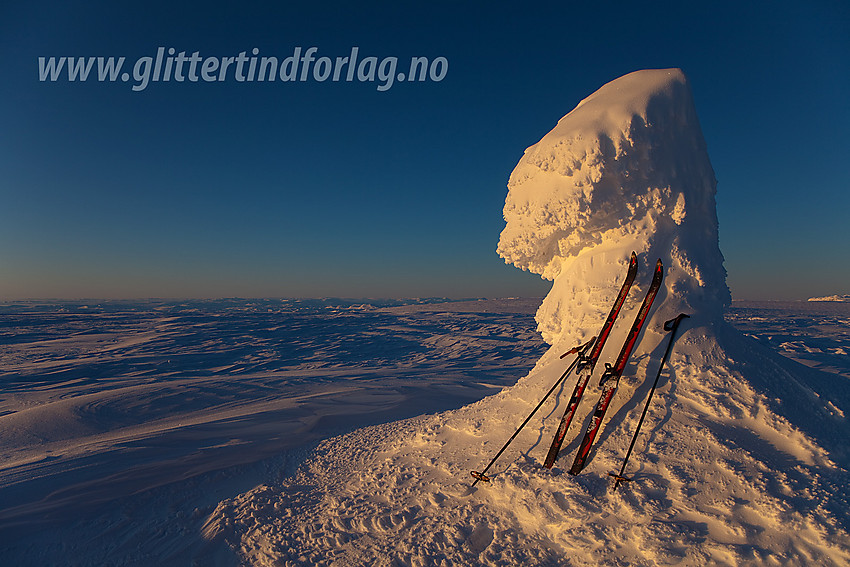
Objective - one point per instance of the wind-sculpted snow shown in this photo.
(741, 461)
(134, 467)
(815, 334)
(626, 170)
(728, 471)
(116, 416)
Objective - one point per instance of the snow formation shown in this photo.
(626, 170)
(742, 459)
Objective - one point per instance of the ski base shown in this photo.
(552, 455)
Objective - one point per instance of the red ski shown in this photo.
(611, 378)
(586, 364)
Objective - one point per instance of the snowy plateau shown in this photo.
(296, 432)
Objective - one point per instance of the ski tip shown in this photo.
(633, 267)
(480, 476)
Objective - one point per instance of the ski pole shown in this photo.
(671, 327)
(580, 350)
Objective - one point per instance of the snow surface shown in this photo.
(814, 334)
(123, 424)
(743, 458)
(146, 502)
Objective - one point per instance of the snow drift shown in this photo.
(741, 460)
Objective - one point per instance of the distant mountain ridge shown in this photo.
(831, 298)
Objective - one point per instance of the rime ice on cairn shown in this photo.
(626, 170)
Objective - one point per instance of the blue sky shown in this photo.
(315, 189)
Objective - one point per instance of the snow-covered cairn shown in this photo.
(626, 170)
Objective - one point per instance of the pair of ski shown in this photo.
(584, 363)
(611, 377)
